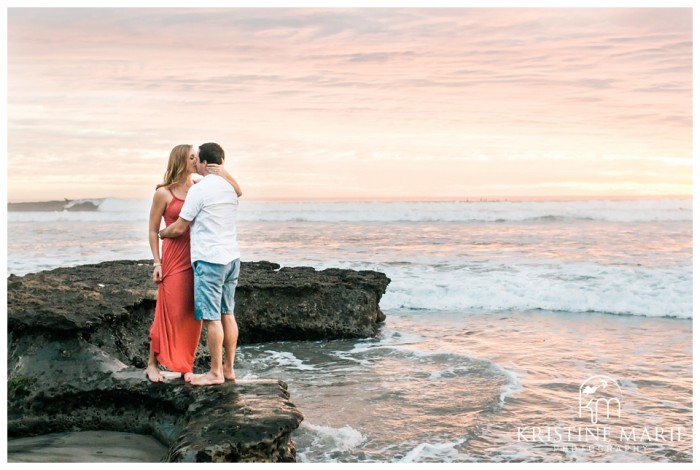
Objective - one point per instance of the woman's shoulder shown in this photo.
(162, 194)
(163, 190)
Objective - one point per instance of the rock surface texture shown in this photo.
(78, 343)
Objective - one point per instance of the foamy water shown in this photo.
(496, 314)
(437, 387)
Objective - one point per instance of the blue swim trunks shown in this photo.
(214, 289)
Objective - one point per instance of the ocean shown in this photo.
(503, 319)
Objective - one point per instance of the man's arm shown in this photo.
(175, 229)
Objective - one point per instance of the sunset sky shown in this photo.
(353, 102)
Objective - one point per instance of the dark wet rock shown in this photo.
(111, 304)
(275, 304)
(72, 385)
(272, 304)
(78, 343)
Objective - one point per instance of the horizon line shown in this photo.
(514, 198)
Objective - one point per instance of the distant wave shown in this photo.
(80, 210)
(470, 212)
(72, 205)
(382, 212)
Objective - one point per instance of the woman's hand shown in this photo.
(221, 171)
(157, 274)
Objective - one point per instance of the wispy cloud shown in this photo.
(435, 87)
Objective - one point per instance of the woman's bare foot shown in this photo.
(207, 379)
(153, 374)
(187, 376)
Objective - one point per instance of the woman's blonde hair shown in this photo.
(177, 166)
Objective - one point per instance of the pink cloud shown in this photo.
(313, 93)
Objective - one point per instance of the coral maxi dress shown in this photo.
(175, 333)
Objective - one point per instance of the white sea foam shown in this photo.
(438, 452)
(439, 374)
(289, 360)
(575, 287)
(327, 440)
(511, 386)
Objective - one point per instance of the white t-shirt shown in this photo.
(211, 207)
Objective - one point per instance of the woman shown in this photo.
(174, 333)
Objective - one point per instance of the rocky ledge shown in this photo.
(59, 386)
(272, 304)
(78, 343)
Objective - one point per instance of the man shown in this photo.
(210, 206)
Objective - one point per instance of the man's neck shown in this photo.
(205, 172)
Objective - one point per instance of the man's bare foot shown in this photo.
(153, 374)
(207, 379)
(187, 376)
(229, 375)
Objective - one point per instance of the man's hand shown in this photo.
(175, 229)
